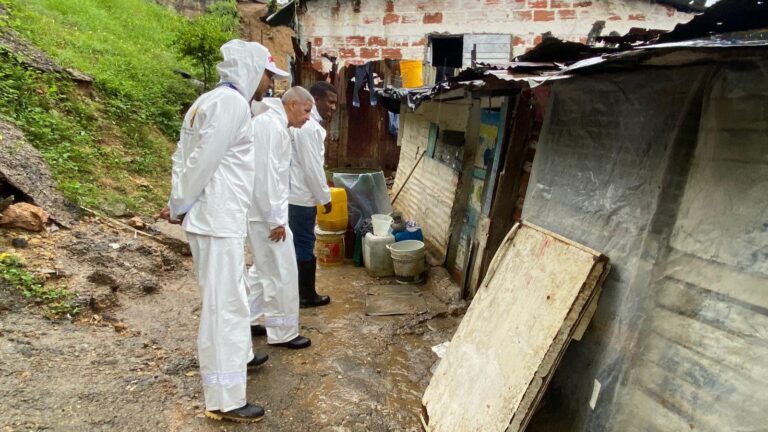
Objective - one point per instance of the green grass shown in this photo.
(115, 146)
(56, 299)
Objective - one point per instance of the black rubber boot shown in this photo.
(248, 413)
(298, 342)
(308, 296)
(258, 330)
(258, 359)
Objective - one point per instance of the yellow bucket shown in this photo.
(412, 72)
(329, 247)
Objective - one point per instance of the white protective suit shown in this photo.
(213, 177)
(273, 278)
(308, 184)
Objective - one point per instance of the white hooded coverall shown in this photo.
(212, 185)
(308, 184)
(273, 278)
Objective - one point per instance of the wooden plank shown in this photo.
(514, 333)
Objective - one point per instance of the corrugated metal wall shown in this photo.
(428, 196)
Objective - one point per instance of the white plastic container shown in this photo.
(381, 224)
(376, 256)
(408, 261)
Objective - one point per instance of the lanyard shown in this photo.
(228, 84)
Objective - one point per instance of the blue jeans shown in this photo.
(301, 220)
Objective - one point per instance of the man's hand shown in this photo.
(165, 213)
(327, 207)
(277, 234)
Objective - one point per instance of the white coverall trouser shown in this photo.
(224, 338)
(273, 283)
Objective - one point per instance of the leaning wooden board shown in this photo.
(514, 333)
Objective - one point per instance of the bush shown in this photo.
(200, 38)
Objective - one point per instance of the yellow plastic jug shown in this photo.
(337, 219)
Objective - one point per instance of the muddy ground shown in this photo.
(128, 360)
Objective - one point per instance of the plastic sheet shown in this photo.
(366, 193)
(666, 172)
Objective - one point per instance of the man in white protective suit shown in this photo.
(212, 184)
(273, 278)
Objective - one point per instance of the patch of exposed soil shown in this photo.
(129, 360)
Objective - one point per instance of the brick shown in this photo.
(398, 42)
(356, 62)
(582, 4)
(636, 17)
(377, 41)
(492, 2)
(390, 6)
(318, 41)
(390, 18)
(371, 19)
(355, 40)
(559, 4)
(369, 53)
(391, 53)
(583, 40)
(538, 4)
(537, 40)
(523, 15)
(543, 15)
(347, 52)
(614, 18)
(516, 4)
(518, 41)
(566, 14)
(419, 42)
(410, 19)
(433, 18)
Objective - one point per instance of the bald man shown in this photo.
(273, 277)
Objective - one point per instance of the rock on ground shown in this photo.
(23, 168)
(24, 216)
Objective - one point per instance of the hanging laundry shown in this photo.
(394, 123)
(364, 74)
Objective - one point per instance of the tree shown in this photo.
(200, 38)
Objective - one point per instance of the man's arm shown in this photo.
(310, 152)
(215, 128)
(268, 201)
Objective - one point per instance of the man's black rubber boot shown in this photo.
(258, 330)
(298, 342)
(249, 413)
(259, 358)
(308, 296)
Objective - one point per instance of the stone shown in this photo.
(25, 216)
(136, 222)
(23, 167)
(19, 243)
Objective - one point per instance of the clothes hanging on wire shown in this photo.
(364, 74)
(394, 123)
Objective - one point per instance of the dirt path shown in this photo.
(131, 363)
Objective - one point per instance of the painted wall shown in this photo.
(398, 29)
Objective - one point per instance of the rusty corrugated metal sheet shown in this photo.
(428, 196)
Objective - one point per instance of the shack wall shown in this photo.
(674, 194)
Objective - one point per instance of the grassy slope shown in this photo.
(116, 146)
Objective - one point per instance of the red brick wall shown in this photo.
(400, 28)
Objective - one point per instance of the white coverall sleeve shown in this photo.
(309, 153)
(214, 132)
(267, 201)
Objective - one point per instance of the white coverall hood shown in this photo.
(243, 65)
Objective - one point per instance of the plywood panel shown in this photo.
(514, 333)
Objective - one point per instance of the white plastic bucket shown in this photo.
(408, 260)
(381, 224)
